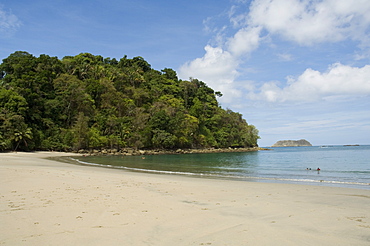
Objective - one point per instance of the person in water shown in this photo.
(318, 169)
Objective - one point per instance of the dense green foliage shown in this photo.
(88, 101)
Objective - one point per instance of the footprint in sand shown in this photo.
(97, 227)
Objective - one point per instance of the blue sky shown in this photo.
(294, 68)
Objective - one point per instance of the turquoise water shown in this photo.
(344, 166)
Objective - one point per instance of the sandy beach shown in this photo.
(45, 202)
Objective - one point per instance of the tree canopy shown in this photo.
(90, 102)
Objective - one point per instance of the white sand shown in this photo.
(45, 202)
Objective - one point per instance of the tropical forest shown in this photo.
(91, 102)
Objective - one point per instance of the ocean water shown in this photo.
(343, 166)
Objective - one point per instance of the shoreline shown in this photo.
(46, 201)
(134, 152)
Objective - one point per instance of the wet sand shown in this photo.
(45, 202)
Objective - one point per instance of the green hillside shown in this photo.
(92, 102)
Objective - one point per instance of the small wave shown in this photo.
(315, 181)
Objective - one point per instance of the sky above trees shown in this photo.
(294, 69)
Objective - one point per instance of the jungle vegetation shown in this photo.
(91, 102)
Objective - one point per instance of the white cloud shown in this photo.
(216, 67)
(304, 22)
(309, 22)
(311, 85)
(215, 63)
(8, 22)
(244, 41)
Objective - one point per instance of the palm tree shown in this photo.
(22, 135)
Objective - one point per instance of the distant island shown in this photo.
(292, 143)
